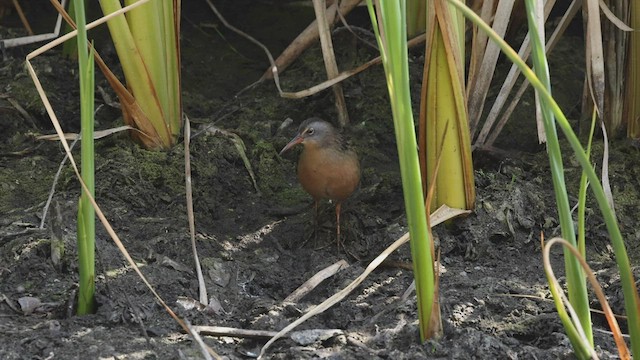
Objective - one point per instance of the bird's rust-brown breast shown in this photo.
(328, 173)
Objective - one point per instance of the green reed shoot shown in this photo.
(631, 298)
(86, 213)
(147, 41)
(576, 281)
(389, 24)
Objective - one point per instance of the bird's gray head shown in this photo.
(315, 132)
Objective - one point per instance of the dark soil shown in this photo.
(494, 296)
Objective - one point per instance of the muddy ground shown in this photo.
(495, 301)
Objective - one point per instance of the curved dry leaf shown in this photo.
(442, 214)
(315, 280)
(623, 350)
(56, 124)
(613, 18)
(96, 135)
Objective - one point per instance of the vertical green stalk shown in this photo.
(86, 213)
(70, 47)
(171, 45)
(146, 24)
(416, 17)
(137, 71)
(582, 193)
(147, 42)
(389, 24)
(576, 281)
(629, 288)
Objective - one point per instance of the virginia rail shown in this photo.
(327, 169)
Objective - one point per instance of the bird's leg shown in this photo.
(338, 224)
(308, 236)
(315, 223)
(340, 243)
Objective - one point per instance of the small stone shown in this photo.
(29, 304)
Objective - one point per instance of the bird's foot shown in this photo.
(341, 247)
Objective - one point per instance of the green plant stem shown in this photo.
(576, 281)
(70, 47)
(139, 72)
(582, 194)
(391, 21)
(171, 27)
(631, 298)
(86, 213)
(416, 17)
(146, 25)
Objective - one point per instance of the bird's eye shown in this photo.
(310, 131)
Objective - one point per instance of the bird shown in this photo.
(327, 168)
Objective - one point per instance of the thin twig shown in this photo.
(611, 320)
(45, 210)
(443, 213)
(274, 68)
(352, 29)
(22, 111)
(23, 18)
(261, 334)
(56, 124)
(196, 336)
(204, 299)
